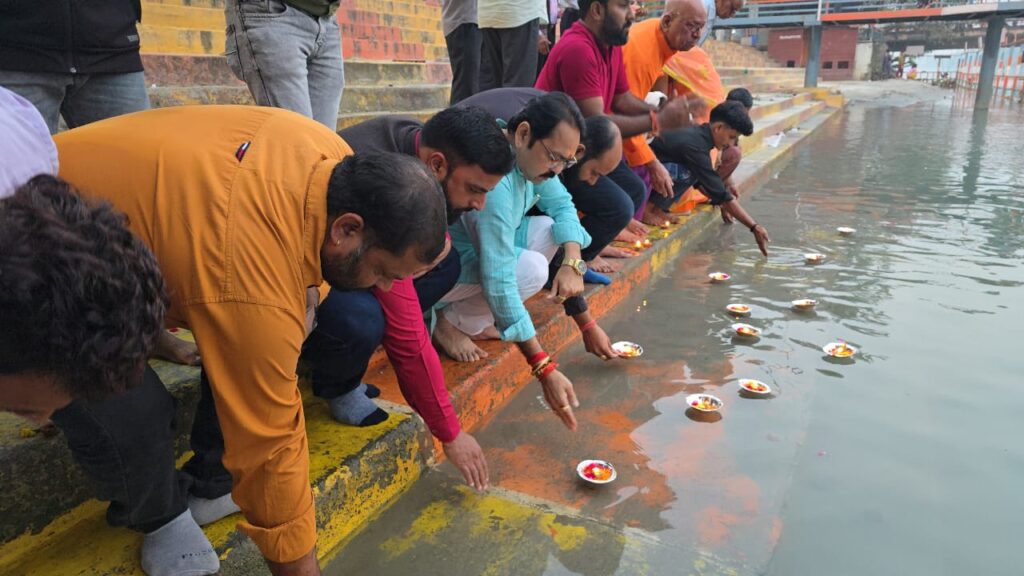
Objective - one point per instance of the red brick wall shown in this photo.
(788, 46)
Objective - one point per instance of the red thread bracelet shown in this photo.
(533, 360)
(588, 326)
(547, 370)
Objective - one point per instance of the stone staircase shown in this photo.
(395, 57)
(731, 54)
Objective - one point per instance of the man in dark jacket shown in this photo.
(73, 59)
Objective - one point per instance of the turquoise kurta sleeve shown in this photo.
(496, 228)
(556, 202)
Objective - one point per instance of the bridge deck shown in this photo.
(786, 13)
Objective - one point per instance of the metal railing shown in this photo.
(757, 13)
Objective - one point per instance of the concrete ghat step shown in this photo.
(355, 99)
(183, 16)
(197, 70)
(394, 98)
(352, 118)
(163, 39)
(165, 70)
(354, 473)
(783, 121)
(191, 3)
(522, 529)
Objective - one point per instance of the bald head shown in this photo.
(687, 8)
(682, 23)
(726, 9)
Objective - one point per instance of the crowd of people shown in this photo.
(278, 241)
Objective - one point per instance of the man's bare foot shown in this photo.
(627, 237)
(656, 217)
(455, 343)
(615, 252)
(489, 333)
(600, 265)
(173, 349)
(653, 214)
(637, 227)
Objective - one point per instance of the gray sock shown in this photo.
(179, 548)
(356, 409)
(207, 511)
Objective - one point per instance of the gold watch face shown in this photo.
(580, 266)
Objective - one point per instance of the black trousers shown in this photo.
(608, 206)
(509, 56)
(350, 326)
(464, 44)
(125, 444)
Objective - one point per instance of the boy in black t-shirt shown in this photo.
(686, 155)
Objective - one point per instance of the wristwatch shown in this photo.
(578, 266)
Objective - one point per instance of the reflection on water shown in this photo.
(904, 460)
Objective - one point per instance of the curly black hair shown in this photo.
(741, 95)
(81, 297)
(734, 115)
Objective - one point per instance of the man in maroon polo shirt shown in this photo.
(586, 64)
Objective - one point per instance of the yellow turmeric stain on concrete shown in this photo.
(423, 530)
(565, 536)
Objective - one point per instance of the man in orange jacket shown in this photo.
(249, 210)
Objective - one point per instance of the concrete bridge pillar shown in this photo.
(987, 76)
(813, 57)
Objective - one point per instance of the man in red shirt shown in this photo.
(587, 64)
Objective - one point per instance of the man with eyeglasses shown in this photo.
(505, 253)
(587, 64)
(652, 43)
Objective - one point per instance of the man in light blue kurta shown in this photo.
(508, 256)
(501, 239)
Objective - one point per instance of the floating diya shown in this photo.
(666, 224)
(704, 402)
(719, 277)
(639, 245)
(738, 309)
(596, 471)
(814, 258)
(647, 242)
(804, 304)
(839, 349)
(754, 386)
(628, 349)
(746, 330)
(845, 230)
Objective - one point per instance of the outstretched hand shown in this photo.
(560, 396)
(761, 236)
(465, 454)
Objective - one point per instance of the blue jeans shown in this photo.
(682, 180)
(289, 59)
(79, 98)
(350, 326)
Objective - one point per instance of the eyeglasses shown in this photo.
(556, 159)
